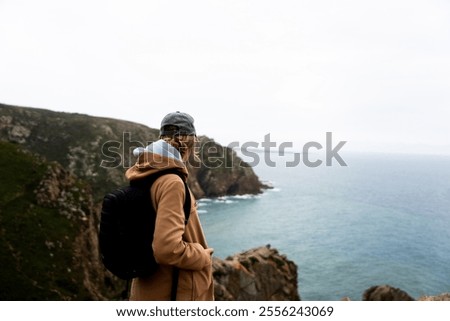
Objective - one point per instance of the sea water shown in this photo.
(382, 219)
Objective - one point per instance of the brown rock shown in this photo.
(441, 297)
(385, 293)
(260, 274)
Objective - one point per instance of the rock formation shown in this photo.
(441, 297)
(385, 293)
(221, 172)
(260, 274)
(389, 293)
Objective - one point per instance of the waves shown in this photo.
(204, 203)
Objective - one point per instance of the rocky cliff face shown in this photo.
(48, 231)
(260, 274)
(72, 199)
(99, 150)
(221, 172)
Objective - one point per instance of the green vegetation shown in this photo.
(36, 243)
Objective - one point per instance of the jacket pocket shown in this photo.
(202, 281)
(185, 290)
(193, 285)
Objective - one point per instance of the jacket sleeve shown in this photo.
(168, 245)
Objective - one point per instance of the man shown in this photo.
(176, 245)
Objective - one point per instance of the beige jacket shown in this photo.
(174, 243)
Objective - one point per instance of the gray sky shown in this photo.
(375, 73)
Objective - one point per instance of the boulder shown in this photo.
(260, 274)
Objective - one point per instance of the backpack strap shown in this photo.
(187, 203)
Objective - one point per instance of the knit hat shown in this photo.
(183, 122)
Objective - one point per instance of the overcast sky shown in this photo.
(375, 73)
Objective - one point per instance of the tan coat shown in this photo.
(174, 244)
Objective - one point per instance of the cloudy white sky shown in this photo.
(375, 73)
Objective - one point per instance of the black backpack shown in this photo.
(126, 230)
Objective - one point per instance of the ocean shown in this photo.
(383, 219)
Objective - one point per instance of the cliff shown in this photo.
(48, 231)
(99, 150)
(221, 172)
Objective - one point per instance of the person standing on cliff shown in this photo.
(176, 245)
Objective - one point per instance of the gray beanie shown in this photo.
(184, 123)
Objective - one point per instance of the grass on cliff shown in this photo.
(36, 243)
